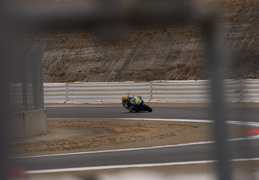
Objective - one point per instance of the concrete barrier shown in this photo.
(27, 124)
(55, 92)
(179, 91)
(250, 90)
(188, 91)
(104, 92)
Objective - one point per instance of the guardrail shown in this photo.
(189, 91)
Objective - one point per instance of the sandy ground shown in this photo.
(74, 135)
(77, 135)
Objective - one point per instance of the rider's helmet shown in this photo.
(125, 98)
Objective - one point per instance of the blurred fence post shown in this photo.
(214, 57)
(37, 79)
(4, 93)
(32, 81)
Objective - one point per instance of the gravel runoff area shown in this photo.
(77, 135)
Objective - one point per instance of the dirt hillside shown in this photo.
(167, 53)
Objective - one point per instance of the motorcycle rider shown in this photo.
(130, 102)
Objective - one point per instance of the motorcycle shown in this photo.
(138, 105)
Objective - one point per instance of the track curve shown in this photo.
(180, 153)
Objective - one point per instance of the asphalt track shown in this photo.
(183, 153)
(233, 113)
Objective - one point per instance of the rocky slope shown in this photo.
(162, 53)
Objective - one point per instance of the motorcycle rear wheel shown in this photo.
(147, 108)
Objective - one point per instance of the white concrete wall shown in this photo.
(189, 91)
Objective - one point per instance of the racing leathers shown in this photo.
(132, 103)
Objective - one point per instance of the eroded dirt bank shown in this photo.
(162, 53)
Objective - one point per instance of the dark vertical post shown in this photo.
(37, 78)
(214, 57)
(24, 83)
(4, 100)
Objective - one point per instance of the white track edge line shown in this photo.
(118, 150)
(131, 166)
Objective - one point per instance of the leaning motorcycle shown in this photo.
(139, 105)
